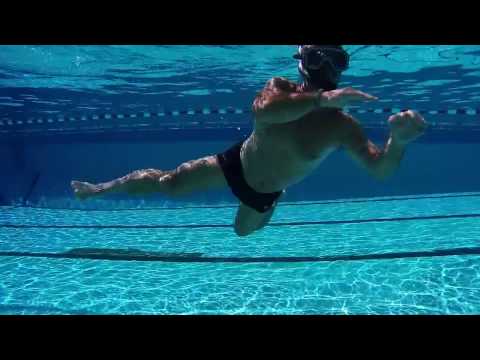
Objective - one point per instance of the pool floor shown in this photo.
(360, 256)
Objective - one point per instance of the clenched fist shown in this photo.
(407, 126)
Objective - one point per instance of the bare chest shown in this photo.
(282, 155)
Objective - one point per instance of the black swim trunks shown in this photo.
(232, 169)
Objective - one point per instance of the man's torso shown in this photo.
(277, 156)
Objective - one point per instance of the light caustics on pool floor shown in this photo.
(140, 255)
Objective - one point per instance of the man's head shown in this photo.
(322, 65)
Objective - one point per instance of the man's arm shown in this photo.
(280, 102)
(406, 127)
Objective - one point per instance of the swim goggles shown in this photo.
(315, 57)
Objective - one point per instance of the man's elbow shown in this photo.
(271, 115)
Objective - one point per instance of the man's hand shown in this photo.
(343, 97)
(406, 126)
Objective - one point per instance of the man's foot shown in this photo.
(84, 190)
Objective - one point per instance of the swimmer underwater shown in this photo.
(296, 126)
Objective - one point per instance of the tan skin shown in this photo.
(295, 129)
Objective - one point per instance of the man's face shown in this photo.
(323, 65)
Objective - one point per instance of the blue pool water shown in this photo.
(339, 243)
(298, 265)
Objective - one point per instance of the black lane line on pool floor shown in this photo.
(235, 206)
(138, 255)
(201, 226)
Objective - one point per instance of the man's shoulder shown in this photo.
(279, 83)
(276, 86)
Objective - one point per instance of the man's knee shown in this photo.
(243, 231)
(246, 228)
(174, 184)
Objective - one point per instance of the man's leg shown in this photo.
(249, 220)
(192, 176)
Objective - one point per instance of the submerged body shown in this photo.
(296, 128)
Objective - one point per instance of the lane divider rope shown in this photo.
(214, 111)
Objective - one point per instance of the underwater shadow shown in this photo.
(140, 255)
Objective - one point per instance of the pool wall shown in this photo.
(426, 168)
